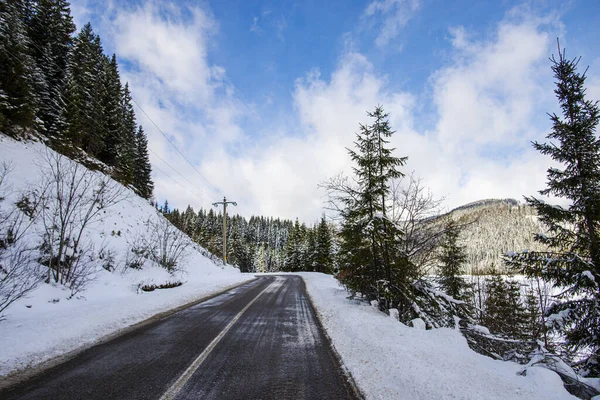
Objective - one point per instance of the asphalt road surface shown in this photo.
(260, 340)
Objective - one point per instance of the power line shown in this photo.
(174, 180)
(175, 147)
(66, 101)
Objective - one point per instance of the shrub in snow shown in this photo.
(18, 270)
(108, 259)
(165, 244)
(72, 199)
(167, 285)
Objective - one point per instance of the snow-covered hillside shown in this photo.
(49, 321)
(493, 228)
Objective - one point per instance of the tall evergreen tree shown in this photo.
(84, 89)
(50, 28)
(574, 263)
(324, 256)
(452, 259)
(369, 257)
(292, 257)
(504, 311)
(112, 114)
(20, 79)
(309, 250)
(142, 178)
(533, 324)
(133, 153)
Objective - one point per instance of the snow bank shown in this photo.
(46, 324)
(389, 360)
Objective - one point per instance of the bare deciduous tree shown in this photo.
(18, 272)
(73, 199)
(416, 211)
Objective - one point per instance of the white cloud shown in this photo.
(490, 101)
(395, 15)
(170, 49)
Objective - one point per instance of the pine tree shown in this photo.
(504, 311)
(133, 163)
(292, 257)
(20, 79)
(452, 259)
(532, 324)
(574, 263)
(309, 255)
(50, 28)
(369, 259)
(324, 256)
(84, 111)
(142, 178)
(112, 116)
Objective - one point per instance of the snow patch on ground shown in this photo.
(389, 360)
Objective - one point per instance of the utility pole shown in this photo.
(217, 204)
(263, 257)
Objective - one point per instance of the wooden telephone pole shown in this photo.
(217, 204)
(263, 257)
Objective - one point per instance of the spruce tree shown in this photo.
(142, 173)
(504, 311)
(324, 256)
(452, 259)
(133, 151)
(369, 259)
(50, 28)
(573, 265)
(84, 89)
(309, 255)
(292, 257)
(112, 115)
(20, 79)
(532, 325)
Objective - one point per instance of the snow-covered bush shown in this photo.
(165, 244)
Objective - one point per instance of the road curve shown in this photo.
(260, 340)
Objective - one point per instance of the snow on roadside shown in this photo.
(389, 360)
(46, 324)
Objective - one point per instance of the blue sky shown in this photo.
(263, 97)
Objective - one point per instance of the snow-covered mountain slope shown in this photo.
(390, 360)
(49, 322)
(495, 227)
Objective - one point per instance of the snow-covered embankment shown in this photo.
(389, 360)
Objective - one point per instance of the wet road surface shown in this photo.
(260, 340)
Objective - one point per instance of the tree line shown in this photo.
(66, 89)
(273, 243)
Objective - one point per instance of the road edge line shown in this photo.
(336, 354)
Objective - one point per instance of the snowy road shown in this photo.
(258, 341)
